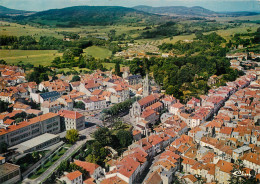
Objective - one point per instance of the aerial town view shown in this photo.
(129, 92)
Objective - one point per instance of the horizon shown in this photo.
(217, 6)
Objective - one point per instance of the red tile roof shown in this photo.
(147, 100)
(27, 123)
(177, 105)
(90, 167)
(225, 166)
(155, 106)
(113, 180)
(8, 121)
(73, 175)
(226, 130)
(147, 113)
(191, 178)
(70, 114)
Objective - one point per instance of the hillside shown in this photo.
(91, 15)
(178, 11)
(7, 11)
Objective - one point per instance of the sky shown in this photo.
(215, 5)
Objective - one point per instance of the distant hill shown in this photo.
(12, 12)
(196, 11)
(91, 15)
(241, 13)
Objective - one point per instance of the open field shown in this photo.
(35, 57)
(14, 29)
(97, 52)
(224, 33)
(250, 18)
(73, 69)
(111, 65)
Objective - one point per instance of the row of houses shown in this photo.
(13, 133)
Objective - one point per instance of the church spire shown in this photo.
(146, 86)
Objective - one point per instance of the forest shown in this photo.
(187, 76)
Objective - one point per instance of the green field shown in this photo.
(98, 52)
(35, 57)
(224, 33)
(111, 65)
(250, 18)
(14, 29)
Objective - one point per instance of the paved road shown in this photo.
(86, 132)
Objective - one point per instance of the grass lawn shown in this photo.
(224, 33)
(14, 29)
(73, 68)
(98, 52)
(125, 126)
(110, 65)
(251, 18)
(35, 57)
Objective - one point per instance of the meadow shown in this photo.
(35, 57)
(14, 29)
(97, 52)
(243, 28)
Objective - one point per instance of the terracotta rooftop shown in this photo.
(70, 114)
(27, 123)
(90, 167)
(154, 178)
(190, 177)
(147, 100)
(226, 130)
(113, 180)
(73, 175)
(155, 105)
(147, 113)
(225, 166)
(177, 105)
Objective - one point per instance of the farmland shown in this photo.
(97, 52)
(35, 57)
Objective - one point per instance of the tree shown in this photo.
(79, 105)
(30, 116)
(3, 62)
(103, 136)
(125, 138)
(68, 55)
(72, 136)
(63, 166)
(118, 124)
(3, 147)
(3, 106)
(75, 78)
(117, 69)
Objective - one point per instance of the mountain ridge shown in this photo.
(8, 11)
(177, 10)
(91, 15)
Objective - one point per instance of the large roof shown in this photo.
(70, 114)
(73, 175)
(90, 167)
(7, 168)
(147, 100)
(49, 94)
(27, 123)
